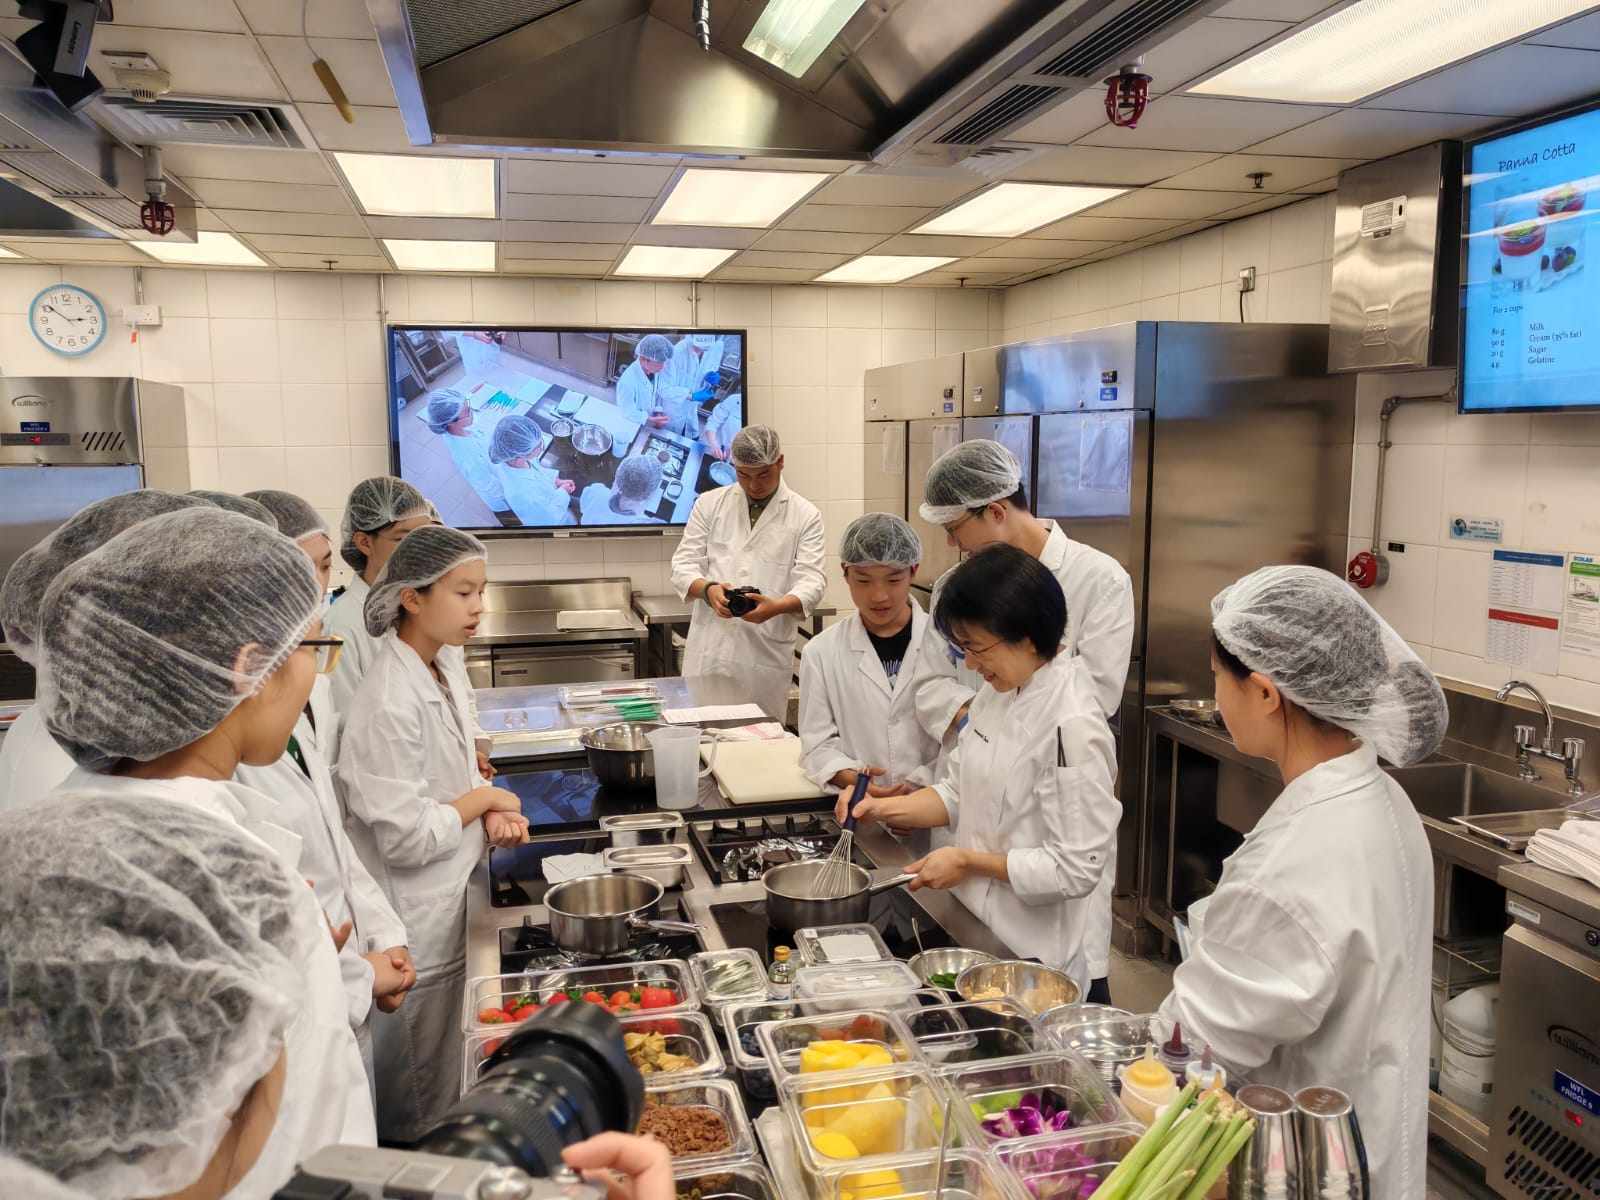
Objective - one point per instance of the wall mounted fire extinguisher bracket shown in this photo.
(1370, 568)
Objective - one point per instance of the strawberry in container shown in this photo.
(1519, 249)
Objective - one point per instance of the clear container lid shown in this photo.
(508, 993)
(726, 976)
(1073, 1163)
(1050, 1083)
(863, 1119)
(834, 945)
(716, 1096)
(834, 1043)
(828, 984)
(976, 1032)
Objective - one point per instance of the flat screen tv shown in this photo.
(1531, 292)
(527, 428)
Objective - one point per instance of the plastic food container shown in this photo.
(739, 1025)
(721, 1097)
(839, 945)
(1109, 1042)
(878, 1033)
(829, 988)
(968, 1175)
(737, 1181)
(1070, 1164)
(687, 1034)
(715, 974)
(951, 1035)
(854, 1121)
(493, 991)
(1060, 1080)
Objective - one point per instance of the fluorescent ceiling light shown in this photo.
(882, 268)
(8, 253)
(210, 249)
(672, 262)
(736, 199)
(1375, 44)
(792, 34)
(1012, 209)
(408, 185)
(421, 254)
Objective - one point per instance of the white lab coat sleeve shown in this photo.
(691, 560)
(382, 772)
(381, 927)
(937, 693)
(822, 752)
(1255, 981)
(347, 675)
(633, 393)
(1080, 812)
(809, 579)
(948, 786)
(1105, 640)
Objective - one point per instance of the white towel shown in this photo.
(1574, 849)
(561, 867)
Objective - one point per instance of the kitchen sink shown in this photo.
(1445, 790)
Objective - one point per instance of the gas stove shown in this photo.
(738, 849)
(529, 946)
(906, 927)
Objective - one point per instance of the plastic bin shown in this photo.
(739, 1026)
(492, 991)
(1070, 1164)
(840, 945)
(737, 1181)
(968, 1175)
(1060, 1078)
(785, 1042)
(952, 1035)
(828, 989)
(721, 1097)
(856, 1120)
(717, 991)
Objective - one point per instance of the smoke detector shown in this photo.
(139, 74)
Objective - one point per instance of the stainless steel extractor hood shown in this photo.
(912, 82)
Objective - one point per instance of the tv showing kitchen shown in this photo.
(508, 428)
(1530, 297)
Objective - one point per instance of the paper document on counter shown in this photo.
(713, 712)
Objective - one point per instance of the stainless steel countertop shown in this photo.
(667, 609)
(503, 628)
(1579, 900)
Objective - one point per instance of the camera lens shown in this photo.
(739, 603)
(561, 1078)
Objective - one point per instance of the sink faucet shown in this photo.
(1570, 756)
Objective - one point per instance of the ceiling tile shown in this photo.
(1507, 82)
(374, 129)
(1171, 202)
(179, 14)
(272, 197)
(890, 190)
(574, 251)
(84, 250)
(1322, 185)
(697, 235)
(1104, 164)
(1582, 32)
(817, 243)
(998, 266)
(1207, 123)
(738, 274)
(1067, 121)
(935, 244)
(1273, 10)
(466, 229)
(522, 206)
(1103, 229)
(849, 218)
(584, 178)
(791, 259)
(950, 277)
(1231, 172)
(1051, 248)
(1202, 46)
(311, 224)
(324, 18)
(225, 162)
(550, 266)
(342, 262)
(205, 64)
(318, 247)
(1263, 204)
(1369, 133)
(358, 66)
(568, 231)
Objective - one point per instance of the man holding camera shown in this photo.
(753, 552)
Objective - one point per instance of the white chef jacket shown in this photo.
(783, 555)
(1312, 965)
(470, 450)
(408, 751)
(687, 369)
(594, 506)
(532, 494)
(1031, 777)
(852, 717)
(638, 394)
(346, 620)
(31, 760)
(725, 420)
(309, 807)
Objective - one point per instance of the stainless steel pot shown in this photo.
(620, 755)
(596, 914)
(790, 905)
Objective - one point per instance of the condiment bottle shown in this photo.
(781, 974)
(1206, 1071)
(1175, 1051)
(1148, 1086)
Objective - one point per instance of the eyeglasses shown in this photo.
(951, 528)
(326, 651)
(968, 648)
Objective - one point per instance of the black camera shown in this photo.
(741, 600)
(562, 1077)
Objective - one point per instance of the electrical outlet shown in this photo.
(1247, 279)
(142, 314)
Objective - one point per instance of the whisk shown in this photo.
(833, 877)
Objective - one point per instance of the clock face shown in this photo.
(67, 319)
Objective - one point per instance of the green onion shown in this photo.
(1220, 1158)
(1117, 1185)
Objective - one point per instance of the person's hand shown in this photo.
(846, 780)
(766, 608)
(920, 809)
(391, 980)
(498, 799)
(505, 830)
(944, 868)
(657, 420)
(341, 935)
(630, 1166)
(718, 595)
(485, 767)
(568, 486)
(720, 453)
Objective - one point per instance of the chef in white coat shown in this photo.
(1027, 792)
(374, 963)
(31, 763)
(1310, 963)
(697, 366)
(724, 421)
(756, 533)
(380, 512)
(634, 490)
(975, 492)
(646, 392)
(452, 418)
(536, 493)
(174, 653)
(856, 696)
(420, 811)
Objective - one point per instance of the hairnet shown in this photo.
(22, 592)
(376, 504)
(150, 979)
(19, 1179)
(296, 519)
(242, 505)
(967, 476)
(638, 476)
(152, 640)
(445, 409)
(756, 446)
(515, 437)
(423, 556)
(880, 540)
(1324, 647)
(655, 346)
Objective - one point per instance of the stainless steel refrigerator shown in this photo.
(1192, 453)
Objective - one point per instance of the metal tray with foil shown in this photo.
(1513, 830)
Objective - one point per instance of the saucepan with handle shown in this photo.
(597, 914)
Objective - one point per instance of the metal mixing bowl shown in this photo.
(592, 439)
(1201, 712)
(946, 959)
(620, 754)
(1036, 988)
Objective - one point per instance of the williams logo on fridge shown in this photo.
(29, 401)
(1574, 1042)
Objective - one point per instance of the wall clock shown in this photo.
(67, 319)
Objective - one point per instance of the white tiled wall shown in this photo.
(283, 374)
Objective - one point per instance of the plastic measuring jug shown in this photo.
(677, 750)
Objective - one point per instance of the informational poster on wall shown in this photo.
(1527, 592)
(1580, 620)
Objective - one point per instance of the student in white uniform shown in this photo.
(480, 351)
(242, 505)
(636, 483)
(420, 812)
(174, 653)
(1310, 962)
(31, 763)
(856, 694)
(374, 963)
(537, 494)
(645, 391)
(722, 424)
(380, 512)
(1028, 791)
(696, 366)
(753, 533)
(452, 418)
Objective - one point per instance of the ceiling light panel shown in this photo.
(883, 268)
(209, 249)
(408, 185)
(672, 262)
(1373, 45)
(1012, 209)
(737, 199)
(792, 34)
(419, 254)
(7, 253)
